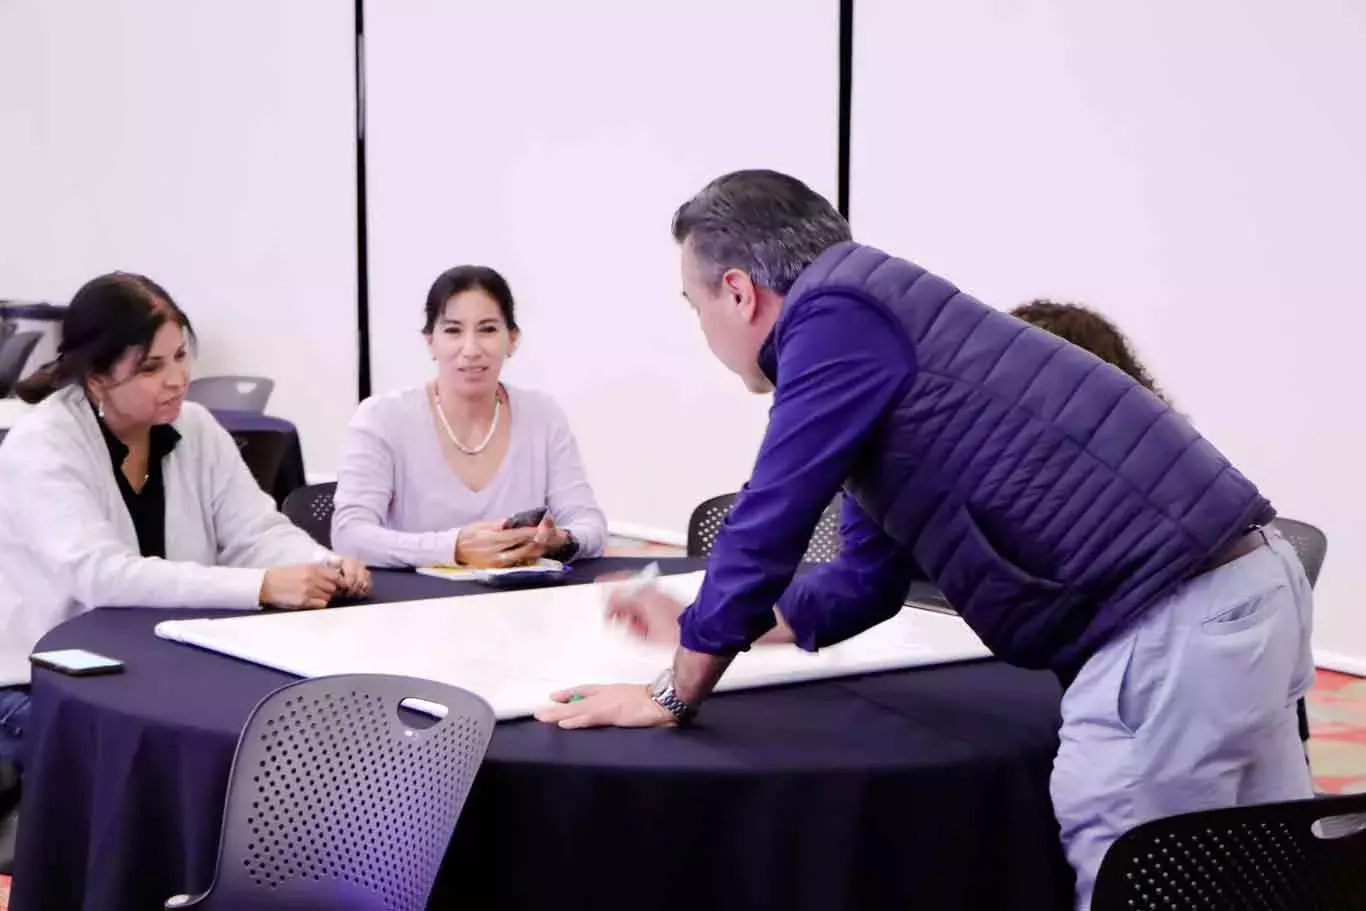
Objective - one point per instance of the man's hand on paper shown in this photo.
(622, 705)
(647, 612)
(628, 705)
(652, 616)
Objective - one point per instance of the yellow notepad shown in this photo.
(462, 573)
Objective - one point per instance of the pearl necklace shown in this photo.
(450, 432)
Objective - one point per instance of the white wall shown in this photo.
(557, 152)
(210, 145)
(1194, 170)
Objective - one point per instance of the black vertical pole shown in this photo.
(362, 266)
(846, 87)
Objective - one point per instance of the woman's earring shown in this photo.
(99, 410)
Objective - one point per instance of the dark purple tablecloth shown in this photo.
(922, 789)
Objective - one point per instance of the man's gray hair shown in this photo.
(768, 224)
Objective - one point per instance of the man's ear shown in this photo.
(739, 288)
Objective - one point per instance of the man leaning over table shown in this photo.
(1076, 522)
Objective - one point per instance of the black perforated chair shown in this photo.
(705, 524)
(310, 508)
(15, 350)
(1309, 542)
(232, 393)
(1305, 855)
(707, 519)
(337, 802)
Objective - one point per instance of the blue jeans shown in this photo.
(14, 709)
(1192, 708)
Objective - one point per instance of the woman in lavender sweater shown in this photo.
(431, 473)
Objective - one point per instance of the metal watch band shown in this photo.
(662, 692)
(677, 707)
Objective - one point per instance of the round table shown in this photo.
(919, 789)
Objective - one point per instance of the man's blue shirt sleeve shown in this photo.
(842, 361)
(865, 585)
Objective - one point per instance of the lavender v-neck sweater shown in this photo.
(398, 503)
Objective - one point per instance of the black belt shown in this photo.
(1243, 546)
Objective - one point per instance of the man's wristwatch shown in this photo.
(662, 692)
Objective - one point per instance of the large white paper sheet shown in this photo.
(515, 648)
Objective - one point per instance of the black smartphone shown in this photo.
(526, 518)
(76, 662)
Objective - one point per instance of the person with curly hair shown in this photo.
(1087, 329)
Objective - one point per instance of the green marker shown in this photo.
(575, 698)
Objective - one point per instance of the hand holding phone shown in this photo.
(526, 519)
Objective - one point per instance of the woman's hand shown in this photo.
(488, 545)
(549, 537)
(355, 577)
(305, 586)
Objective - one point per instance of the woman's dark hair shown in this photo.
(108, 316)
(1087, 329)
(464, 278)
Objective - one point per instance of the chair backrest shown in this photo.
(1309, 542)
(232, 393)
(824, 545)
(1295, 856)
(310, 508)
(337, 802)
(705, 524)
(14, 354)
(264, 452)
(707, 519)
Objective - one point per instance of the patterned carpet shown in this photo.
(1337, 720)
(1337, 742)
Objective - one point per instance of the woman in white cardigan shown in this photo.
(115, 491)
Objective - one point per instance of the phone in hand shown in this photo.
(76, 662)
(527, 518)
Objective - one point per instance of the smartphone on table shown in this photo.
(76, 662)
